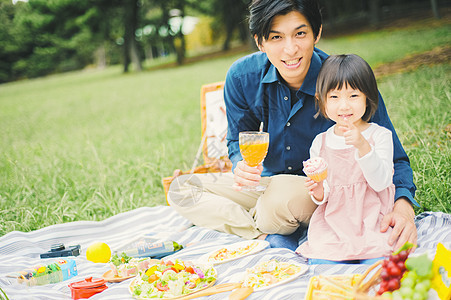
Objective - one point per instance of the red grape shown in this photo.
(403, 255)
(394, 258)
(393, 284)
(385, 275)
(401, 265)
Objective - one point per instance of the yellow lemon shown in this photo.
(98, 252)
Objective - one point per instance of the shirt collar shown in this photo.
(309, 84)
(271, 75)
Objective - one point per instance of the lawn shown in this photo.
(87, 145)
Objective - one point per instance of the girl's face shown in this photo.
(346, 104)
(289, 47)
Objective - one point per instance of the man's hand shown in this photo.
(402, 221)
(246, 176)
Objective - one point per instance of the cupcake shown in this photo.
(315, 168)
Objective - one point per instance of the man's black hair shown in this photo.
(262, 12)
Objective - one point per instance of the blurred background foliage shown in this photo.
(41, 37)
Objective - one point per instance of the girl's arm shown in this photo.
(377, 165)
(310, 184)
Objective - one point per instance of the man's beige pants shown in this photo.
(209, 200)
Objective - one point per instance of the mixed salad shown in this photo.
(127, 266)
(172, 279)
(270, 272)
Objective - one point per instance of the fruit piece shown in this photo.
(401, 265)
(384, 275)
(393, 284)
(421, 264)
(406, 292)
(396, 295)
(394, 271)
(403, 255)
(98, 253)
(408, 282)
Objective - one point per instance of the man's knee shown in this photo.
(284, 204)
(185, 191)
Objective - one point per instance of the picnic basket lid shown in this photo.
(214, 122)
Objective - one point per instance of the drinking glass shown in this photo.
(254, 147)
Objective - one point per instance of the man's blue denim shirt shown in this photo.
(255, 93)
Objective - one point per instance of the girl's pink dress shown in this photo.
(347, 226)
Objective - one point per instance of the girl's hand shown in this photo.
(246, 176)
(316, 189)
(354, 137)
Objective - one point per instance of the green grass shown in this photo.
(388, 45)
(419, 104)
(91, 144)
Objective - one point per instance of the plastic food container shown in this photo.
(87, 288)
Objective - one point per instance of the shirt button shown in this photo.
(288, 148)
(285, 98)
(289, 168)
(288, 124)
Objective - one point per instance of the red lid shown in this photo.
(88, 283)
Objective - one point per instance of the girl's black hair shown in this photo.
(347, 70)
(262, 12)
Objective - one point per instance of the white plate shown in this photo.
(259, 246)
(303, 270)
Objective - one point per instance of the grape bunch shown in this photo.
(392, 271)
(415, 282)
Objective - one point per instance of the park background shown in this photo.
(100, 99)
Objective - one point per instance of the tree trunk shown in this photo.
(375, 12)
(330, 13)
(435, 9)
(100, 57)
(229, 33)
(179, 42)
(130, 47)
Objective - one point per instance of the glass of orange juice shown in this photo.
(254, 147)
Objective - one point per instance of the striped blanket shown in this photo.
(19, 250)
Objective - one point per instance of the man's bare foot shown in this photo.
(262, 236)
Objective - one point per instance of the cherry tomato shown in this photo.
(190, 269)
(161, 287)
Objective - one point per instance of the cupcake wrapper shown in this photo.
(318, 176)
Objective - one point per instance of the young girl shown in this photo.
(358, 190)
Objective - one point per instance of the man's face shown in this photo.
(289, 47)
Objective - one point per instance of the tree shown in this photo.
(131, 19)
(232, 15)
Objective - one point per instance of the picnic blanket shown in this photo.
(19, 250)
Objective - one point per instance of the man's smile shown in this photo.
(292, 63)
